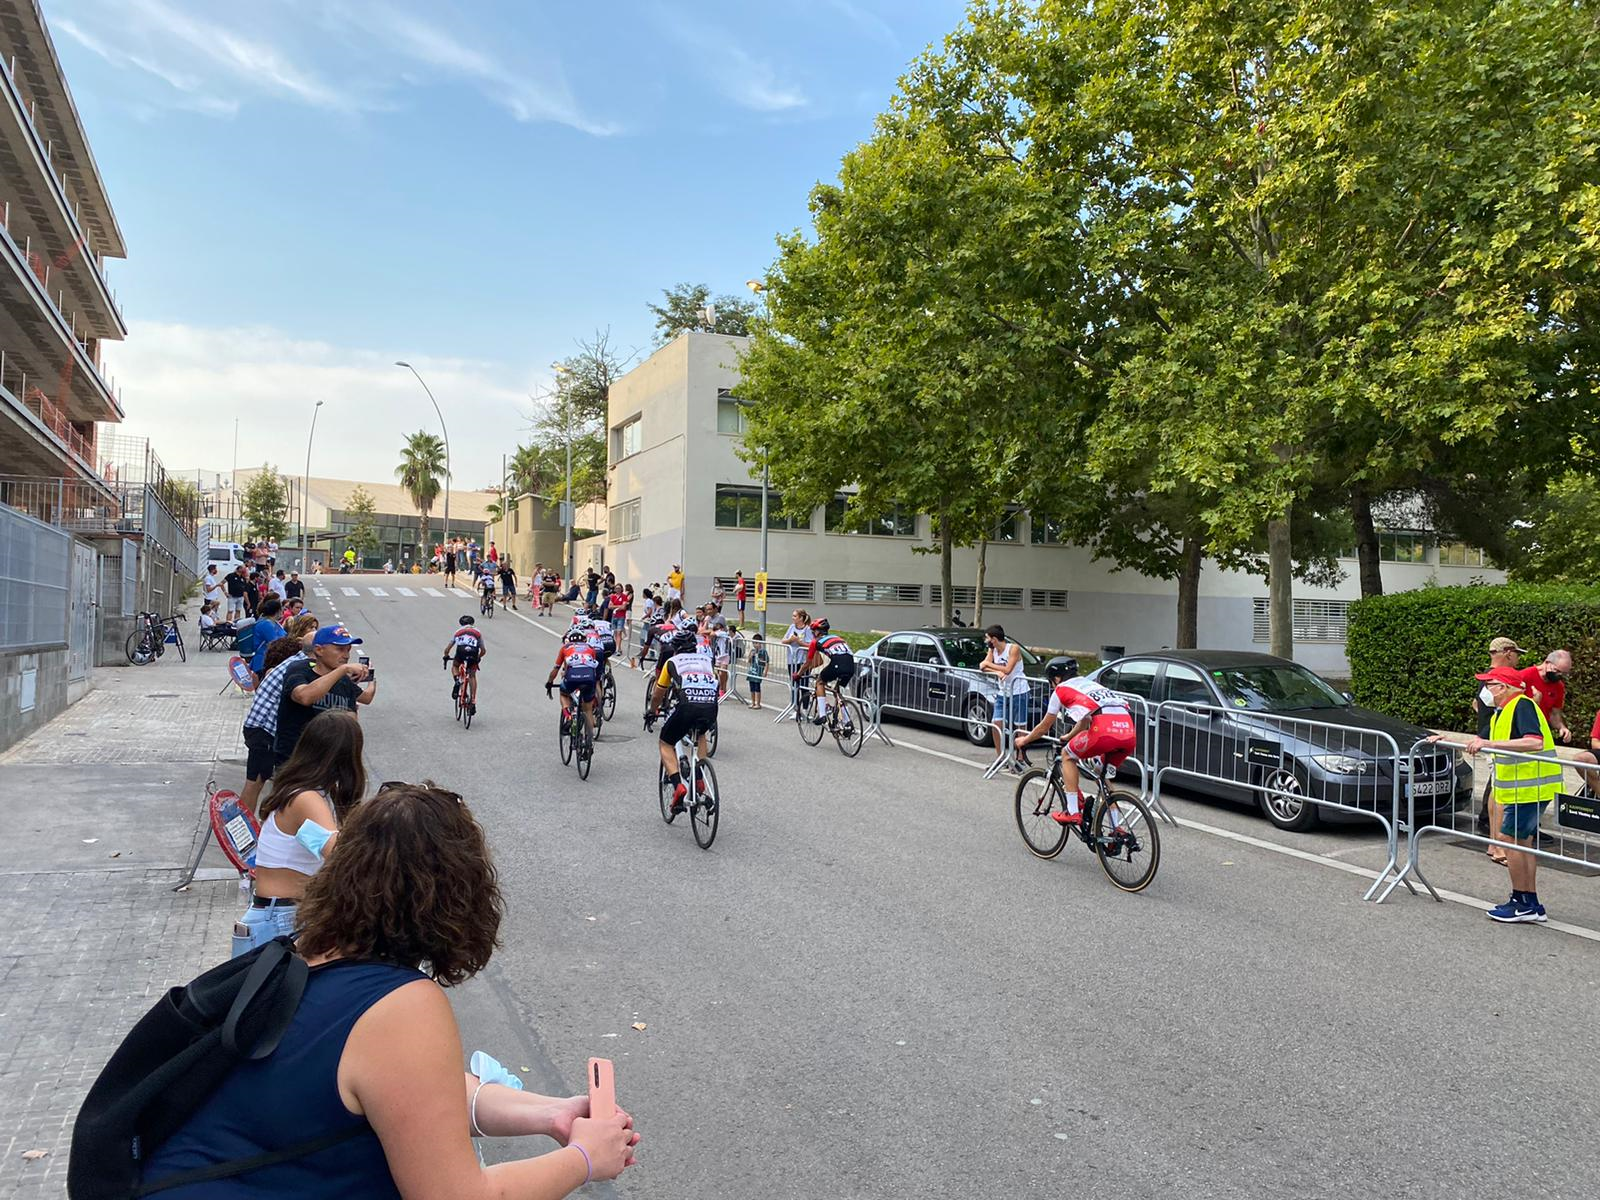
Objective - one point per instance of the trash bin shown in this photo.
(1107, 653)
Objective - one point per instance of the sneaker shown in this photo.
(1516, 912)
(678, 793)
(819, 720)
(1062, 818)
(455, 690)
(472, 709)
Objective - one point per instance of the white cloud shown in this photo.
(745, 79)
(184, 385)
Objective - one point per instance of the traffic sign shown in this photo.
(761, 591)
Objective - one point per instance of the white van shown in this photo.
(227, 555)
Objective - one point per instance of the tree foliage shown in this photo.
(363, 535)
(265, 505)
(683, 308)
(421, 472)
(574, 408)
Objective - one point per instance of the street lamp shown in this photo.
(436, 409)
(305, 490)
(563, 372)
(758, 289)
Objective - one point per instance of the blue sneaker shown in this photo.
(1517, 912)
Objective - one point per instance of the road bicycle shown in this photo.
(1116, 825)
(462, 689)
(703, 800)
(148, 641)
(607, 708)
(572, 736)
(666, 711)
(846, 720)
(486, 603)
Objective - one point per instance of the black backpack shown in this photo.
(175, 1057)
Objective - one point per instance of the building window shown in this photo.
(1047, 598)
(777, 589)
(1044, 531)
(624, 523)
(895, 522)
(740, 508)
(1459, 554)
(627, 439)
(835, 591)
(993, 597)
(1008, 528)
(730, 413)
(1402, 546)
(1312, 620)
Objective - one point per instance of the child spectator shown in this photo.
(758, 668)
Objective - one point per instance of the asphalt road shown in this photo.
(868, 987)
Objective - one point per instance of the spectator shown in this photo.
(312, 795)
(292, 610)
(326, 680)
(1503, 652)
(235, 585)
(627, 606)
(739, 589)
(1590, 758)
(1547, 684)
(211, 625)
(261, 722)
(295, 589)
(265, 631)
(1523, 786)
(494, 554)
(798, 638)
(215, 593)
(675, 583)
(373, 1048)
(278, 585)
(591, 584)
(647, 624)
(549, 585)
(449, 564)
(759, 659)
(721, 645)
(617, 611)
(717, 594)
(1004, 663)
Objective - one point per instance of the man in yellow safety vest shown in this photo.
(1522, 786)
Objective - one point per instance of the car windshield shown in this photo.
(1268, 688)
(970, 650)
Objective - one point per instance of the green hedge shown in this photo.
(1414, 654)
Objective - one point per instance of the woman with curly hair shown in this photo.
(311, 795)
(407, 906)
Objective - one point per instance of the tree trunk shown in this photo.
(977, 601)
(1194, 554)
(1280, 585)
(423, 553)
(946, 563)
(1366, 543)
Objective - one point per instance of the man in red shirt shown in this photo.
(1591, 757)
(1546, 683)
(738, 594)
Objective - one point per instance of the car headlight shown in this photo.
(1343, 764)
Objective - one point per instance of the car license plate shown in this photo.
(1433, 788)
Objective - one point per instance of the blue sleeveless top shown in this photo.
(291, 1096)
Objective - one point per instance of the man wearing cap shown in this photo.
(326, 680)
(1523, 786)
(1503, 652)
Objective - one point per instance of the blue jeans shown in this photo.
(263, 925)
(1011, 710)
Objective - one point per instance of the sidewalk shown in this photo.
(98, 814)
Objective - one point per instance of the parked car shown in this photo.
(1262, 722)
(931, 675)
(228, 556)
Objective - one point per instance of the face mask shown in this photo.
(1552, 676)
(312, 836)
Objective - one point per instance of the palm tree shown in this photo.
(527, 470)
(420, 471)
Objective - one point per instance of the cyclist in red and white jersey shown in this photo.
(468, 647)
(1102, 727)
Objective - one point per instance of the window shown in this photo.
(740, 508)
(923, 651)
(1459, 554)
(624, 523)
(1043, 531)
(837, 591)
(1185, 684)
(1401, 546)
(895, 649)
(895, 522)
(993, 597)
(1135, 678)
(1312, 620)
(1047, 598)
(789, 589)
(627, 439)
(1008, 528)
(730, 413)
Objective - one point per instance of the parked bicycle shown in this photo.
(846, 720)
(148, 641)
(703, 799)
(1116, 824)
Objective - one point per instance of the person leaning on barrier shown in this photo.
(1503, 652)
(1546, 683)
(1523, 786)
(1004, 662)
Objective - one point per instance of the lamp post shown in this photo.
(563, 372)
(758, 289)
(436, 409)
(305, 490)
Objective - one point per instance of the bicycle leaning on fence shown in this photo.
(846, 720)
(148, 641)
(1116, 824)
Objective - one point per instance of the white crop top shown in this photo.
(277, 849)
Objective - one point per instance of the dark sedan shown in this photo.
(932, 675)
(1267, 730)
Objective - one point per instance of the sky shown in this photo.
(310, 190)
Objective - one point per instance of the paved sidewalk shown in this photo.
(99, 811)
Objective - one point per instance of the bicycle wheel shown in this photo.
(608, 706)
(461, 706)
(664, 794)
(466, 710)
(848, 728)
(1038, 797)
(704, 809)
(810, 732)
(140, 652)
(711, 742)
(565, 736)
(1126, 841)
(183, 655)
(585, 751)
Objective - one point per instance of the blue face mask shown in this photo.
(313, 836)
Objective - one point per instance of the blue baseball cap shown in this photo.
(335, 635)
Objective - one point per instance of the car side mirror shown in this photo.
(1349, 697)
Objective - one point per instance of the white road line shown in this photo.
(323, 592)
(378, 592)
(350, 591)
(1577, 931)
(455, 591)
(435, 592)
(405, 591)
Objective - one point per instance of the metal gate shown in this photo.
(81, 609)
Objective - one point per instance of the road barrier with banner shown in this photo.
(1569, 831)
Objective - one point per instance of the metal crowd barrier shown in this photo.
(1290, 759)
(1568, 831)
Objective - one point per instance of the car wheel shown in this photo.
(1281, 795)
(977, 721)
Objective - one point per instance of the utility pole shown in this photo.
(305, 490)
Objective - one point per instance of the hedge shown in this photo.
(1414, 654)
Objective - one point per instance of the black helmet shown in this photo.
(466, 621)
(683, 641)
(1063, 666)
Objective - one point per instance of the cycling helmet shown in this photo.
(820, 626)
(1063, 666)
(467, 621)
(683, 642)
(574, 637)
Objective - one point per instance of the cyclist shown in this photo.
(831, 660)
(687, 673)
(486, 582)
(579, 666)
(467, 642)
(1102, 727)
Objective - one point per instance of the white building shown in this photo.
(680, 493)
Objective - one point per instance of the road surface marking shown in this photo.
(378, 592)
(435, 592)
(455, 591)
(405, 591)
(350, 591)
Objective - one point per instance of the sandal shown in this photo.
(1497, 856)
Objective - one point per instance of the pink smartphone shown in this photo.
(602, 1089)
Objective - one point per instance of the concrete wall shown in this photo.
(38, 679)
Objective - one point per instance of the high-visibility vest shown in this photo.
(1525, 780)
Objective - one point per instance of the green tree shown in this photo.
(1559, 542)
(363, 535)
(683, 308)
(575, 408)
(421, 472)
(265, 505)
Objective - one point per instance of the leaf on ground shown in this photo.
(639, 1025)
(33, 1155)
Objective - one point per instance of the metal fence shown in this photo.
(35, 578)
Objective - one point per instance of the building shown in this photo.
(680, 493)
(530, 532)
